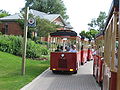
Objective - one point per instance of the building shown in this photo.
(10, 26)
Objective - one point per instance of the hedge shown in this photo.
(13, 45)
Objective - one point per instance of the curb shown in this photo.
(34, 80)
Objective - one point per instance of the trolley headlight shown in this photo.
(71, 69)
(53, 69)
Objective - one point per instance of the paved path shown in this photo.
(81, 81)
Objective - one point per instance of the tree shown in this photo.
(98, 23)
(85, 34)
(3, 13)
(93, 33)
(44, 27)
(82, 34)
(89, 34)
(50, 6)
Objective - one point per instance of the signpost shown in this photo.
(31, 22)
(25, 40)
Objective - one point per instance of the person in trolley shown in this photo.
(73, 48)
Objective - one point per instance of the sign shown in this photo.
(31, 22)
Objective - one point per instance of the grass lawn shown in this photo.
(10, 71)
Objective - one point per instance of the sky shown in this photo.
(80, 12)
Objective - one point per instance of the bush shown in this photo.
(44, 51)
(13, 45)
(42, 42)
(33, 50)
(0, 33)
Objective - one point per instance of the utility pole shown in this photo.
(25, 39)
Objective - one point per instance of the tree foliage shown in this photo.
(44, 27)
(98, 23)
(82, 34)
(89, 34)
(3, 13)
(50, 6)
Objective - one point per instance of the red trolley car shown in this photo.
(65, 60)
(86, 50)
(98, 58)
(111, 75)
(108, 71)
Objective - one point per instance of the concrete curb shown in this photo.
(34, 80)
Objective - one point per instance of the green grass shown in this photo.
(10, 71)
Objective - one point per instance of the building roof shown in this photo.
(51, 17)
(68, 26)
(11, 17)
(42, 15)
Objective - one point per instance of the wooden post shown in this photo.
(118, 71)
(108, 46)
(105, 46)
(114, 30)
(107, 57)
(25, 41)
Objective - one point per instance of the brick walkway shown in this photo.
(81, 81)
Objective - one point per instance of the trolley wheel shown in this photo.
(100, 83)
(102, 86)
(82, 63)
(75, 72)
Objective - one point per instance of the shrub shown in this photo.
(0, 33)
(42, 42)
(13, 45)
(33, 50)
(16, 45)
(44, 51)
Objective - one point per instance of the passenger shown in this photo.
(67, 49)
(61, 48)
(73, 48)
(58, 49)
